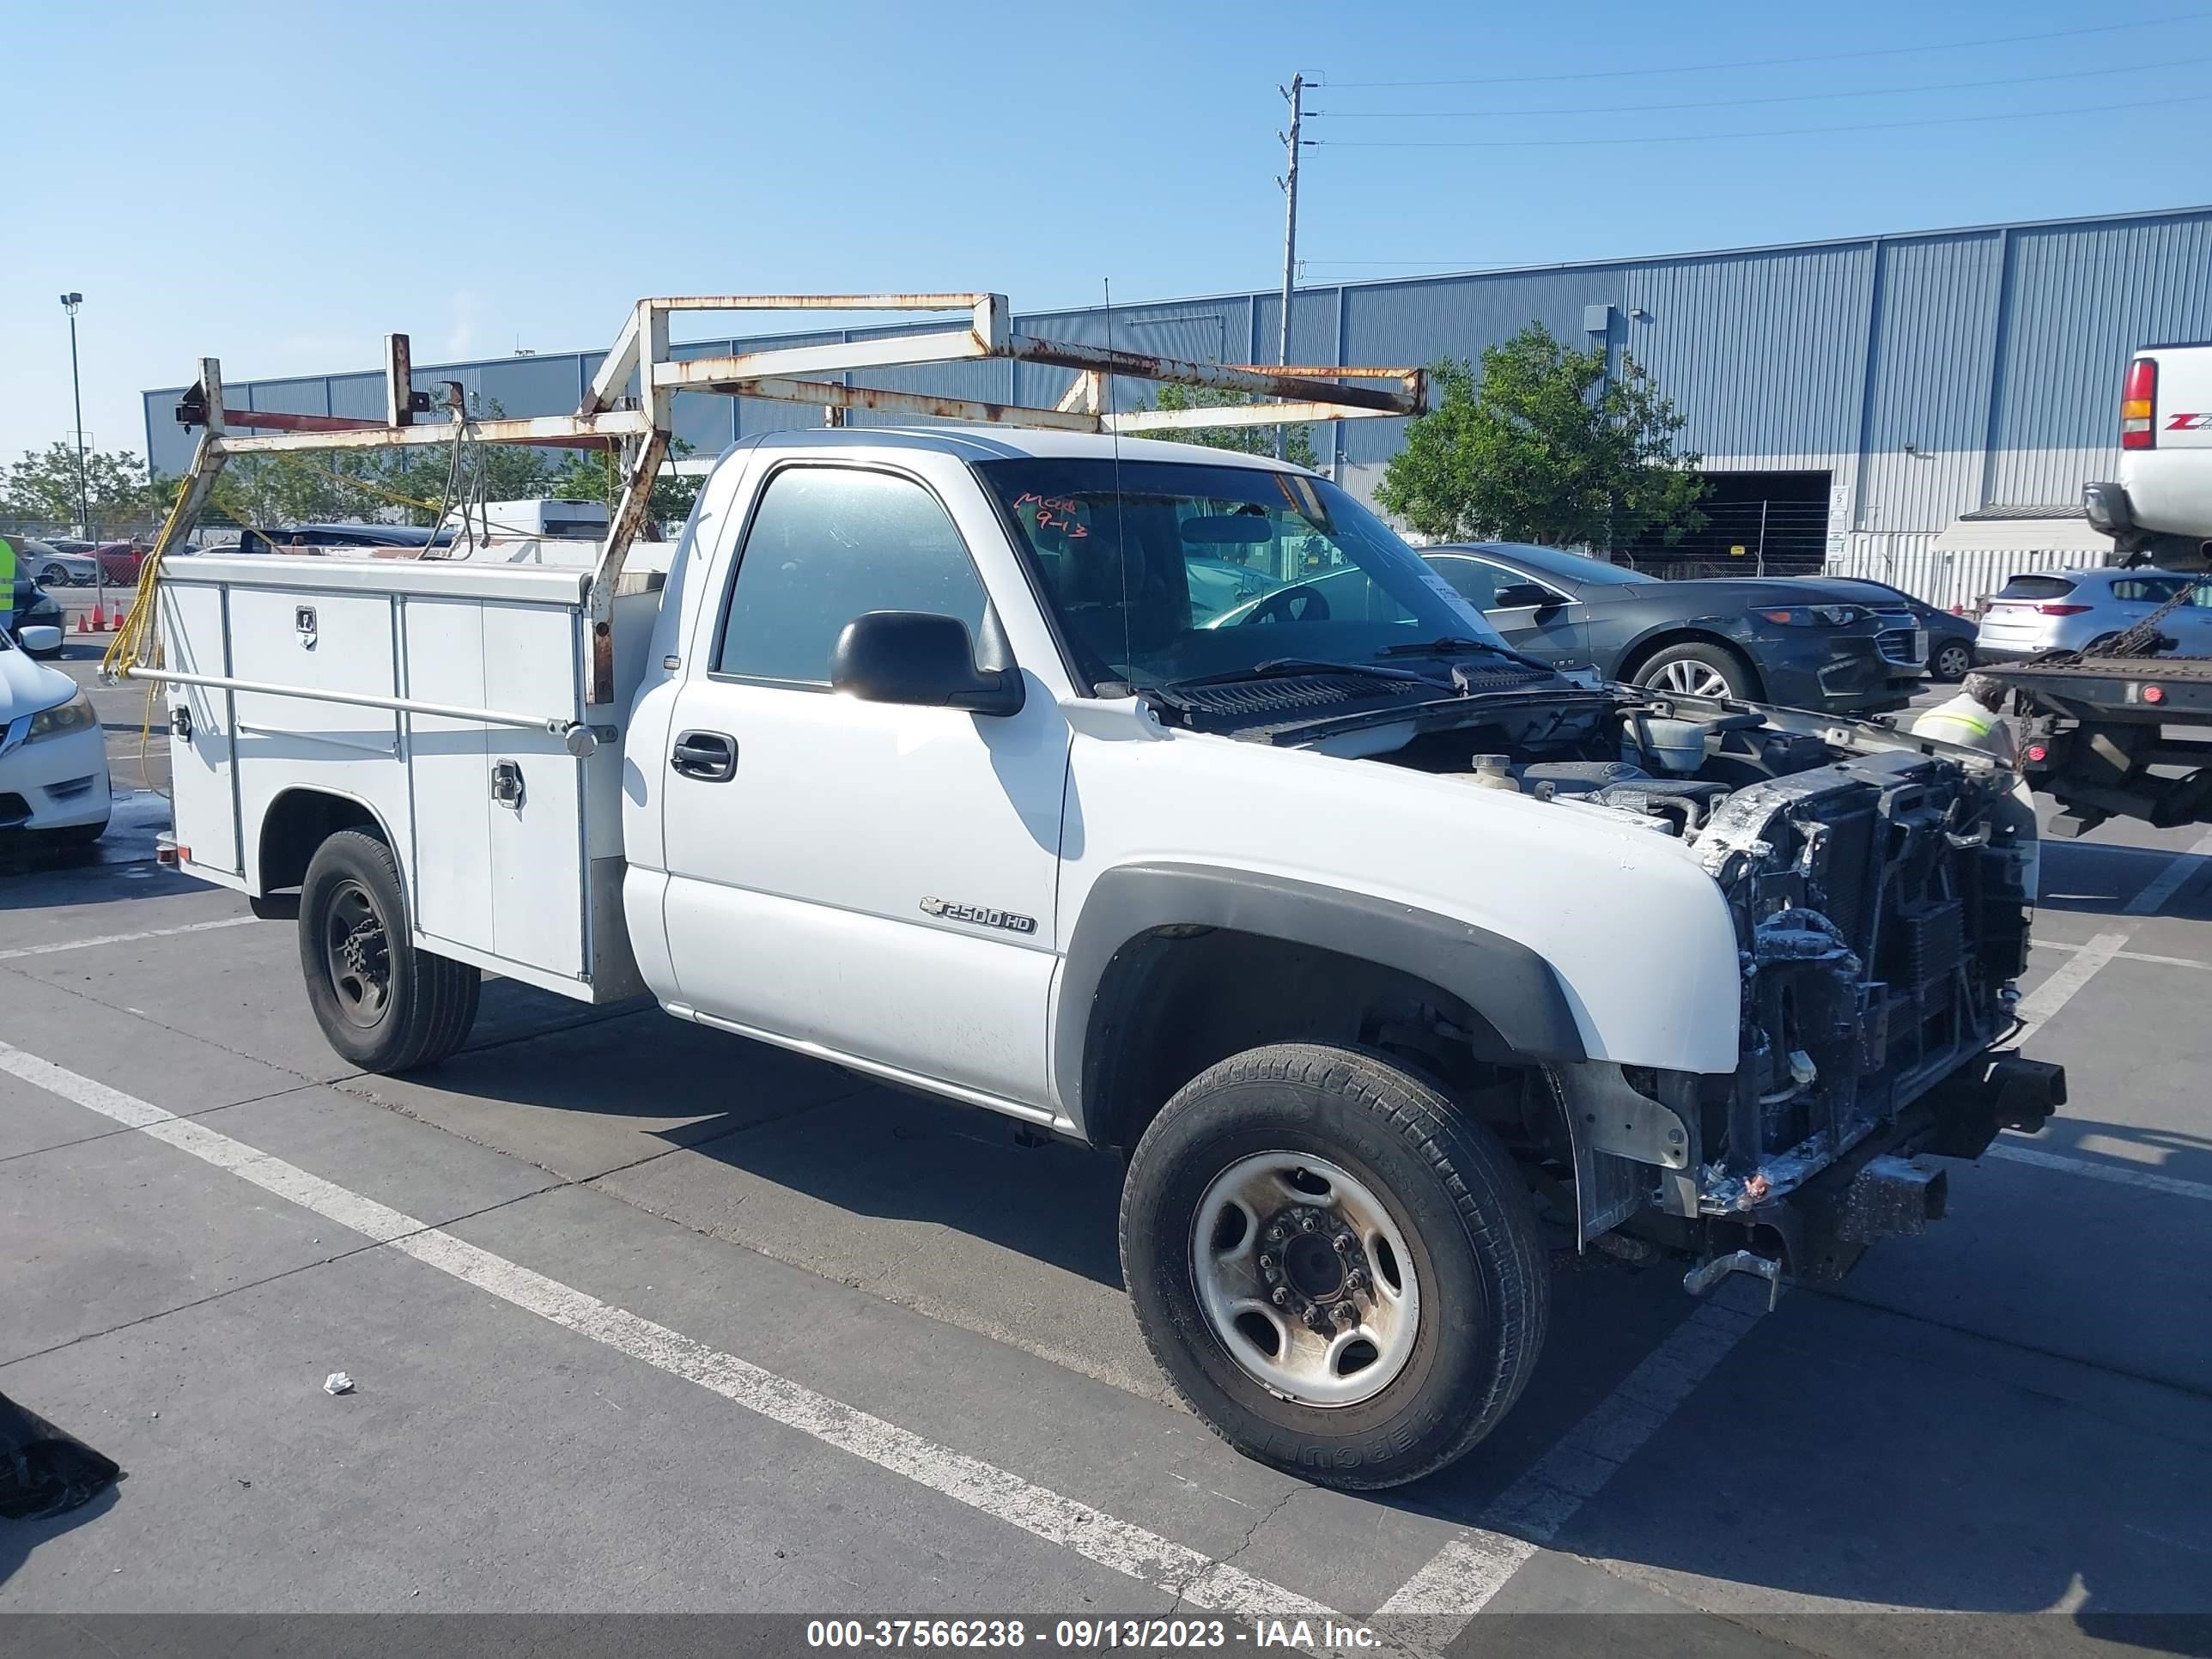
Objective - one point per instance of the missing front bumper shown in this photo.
(1881, 1188)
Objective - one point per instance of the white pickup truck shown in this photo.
(931, 753)
(2161, 506)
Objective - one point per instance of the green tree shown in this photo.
(1244, 439)
(1542, 446)
(587, 475)
(41, 488)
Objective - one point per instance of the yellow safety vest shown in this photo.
(7, 567)
(1967, 724)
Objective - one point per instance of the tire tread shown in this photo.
(1485, 1188)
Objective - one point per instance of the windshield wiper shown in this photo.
(1282, 667)
(1450, 644)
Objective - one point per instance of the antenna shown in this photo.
(1120, 525)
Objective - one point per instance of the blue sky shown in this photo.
(278, 185)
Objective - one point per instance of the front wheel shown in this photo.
(1695, 669)
(1339, 1271)
(383, 1005)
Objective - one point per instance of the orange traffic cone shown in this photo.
(83, 623)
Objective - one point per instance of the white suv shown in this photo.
(2079, 609)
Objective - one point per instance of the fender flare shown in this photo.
(1515, 990)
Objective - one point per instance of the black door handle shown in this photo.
(709, 757)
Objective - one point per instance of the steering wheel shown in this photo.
(1302, 604)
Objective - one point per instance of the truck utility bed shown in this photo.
(472, 677)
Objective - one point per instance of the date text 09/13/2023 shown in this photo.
(1087, 1635)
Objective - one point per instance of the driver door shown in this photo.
(873, 879)
(1557, 632)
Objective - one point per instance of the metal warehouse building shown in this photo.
(1923, 407)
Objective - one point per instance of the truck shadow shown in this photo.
(1841, 1451)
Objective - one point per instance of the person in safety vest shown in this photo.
(7, 586)
(1971, 719)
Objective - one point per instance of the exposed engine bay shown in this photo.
(1880, 887)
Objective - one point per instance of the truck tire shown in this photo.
(1291, 1183)
(383, 1005)
(1697, 669)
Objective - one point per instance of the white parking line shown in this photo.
(2077, 970)
(2038, 1006)
(2173, 1185)
(1090, 1533)
(11, 954)
(2169, 881)
(1460, 1578)
(2127, 956)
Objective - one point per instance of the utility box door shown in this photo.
(448, 773)
(195, 640)
(539, 867)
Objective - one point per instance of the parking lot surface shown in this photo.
(643, 1318)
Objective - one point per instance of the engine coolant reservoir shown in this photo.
(1493, 772)
(1674, 746)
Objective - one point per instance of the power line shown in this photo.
(1727, 137)
(1735, 103)
(1768, 63)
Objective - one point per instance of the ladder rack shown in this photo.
(640, 425)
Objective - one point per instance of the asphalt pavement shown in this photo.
(644, 1319)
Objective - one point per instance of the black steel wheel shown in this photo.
(382, 1004)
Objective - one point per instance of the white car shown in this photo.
(53, 756)
(49, 567)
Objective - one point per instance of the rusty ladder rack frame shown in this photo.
(785, 373)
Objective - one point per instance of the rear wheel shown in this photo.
(1339, 1271)
(384, 1005)
(1952, 662)
(53, 576)
(1697, 669)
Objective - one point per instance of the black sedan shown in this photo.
(1799, 642)
(1951, 639)
(36, 608)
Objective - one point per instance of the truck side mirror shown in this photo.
(40, 636)
(917, 657)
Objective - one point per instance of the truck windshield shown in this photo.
(1165, 571)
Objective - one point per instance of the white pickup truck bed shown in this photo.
(529, 886)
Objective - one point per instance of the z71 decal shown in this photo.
(2190, 423)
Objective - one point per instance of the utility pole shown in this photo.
(70, 303)
(1296, 93)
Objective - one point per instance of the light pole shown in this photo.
(70, 303)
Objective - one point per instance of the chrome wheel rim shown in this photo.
(1691, 679)
(1304, 1279)
(358, 954)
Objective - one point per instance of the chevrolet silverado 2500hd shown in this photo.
(1360, 936)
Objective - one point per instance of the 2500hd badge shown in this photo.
(981, 915)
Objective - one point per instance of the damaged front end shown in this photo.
(1881, 901)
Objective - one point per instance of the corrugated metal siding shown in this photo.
(1935, 312)
(1419, 322)
(1764, 353)
(1911, 562)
